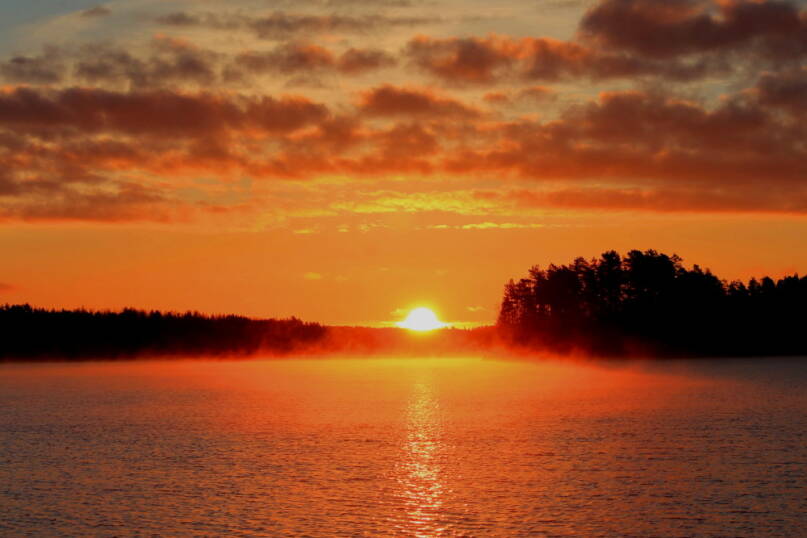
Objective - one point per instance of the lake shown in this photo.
(416, 447)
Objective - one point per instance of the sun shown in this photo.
(421, 319)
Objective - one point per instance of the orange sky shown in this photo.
(343, 161)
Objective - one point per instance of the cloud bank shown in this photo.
(675, 106)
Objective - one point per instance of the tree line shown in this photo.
(36, 333)
(649, 303)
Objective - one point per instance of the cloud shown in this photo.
(644, 136)
(103, 154)
(161, 128)
(678, 27)
(390, 100)
(461, 59)
(166, 62)
(786, 90)
(312, 276)
(498, 98)
(487, 225)
(281, 25)
(170, 63)
(4, 287)
(111, 202)
(46, 68)
(361, 60)
(490, 59)
(536, 94)
(296, 58)
(155, 113)
(636, 145)
(92, 154)
(374, 3)
(287, 59)
(532, 95)
(460, 202)
(681, 40)
(746, 199)
(97, 11)
(500, 226)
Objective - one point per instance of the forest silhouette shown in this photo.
(35, 333)
(647, 303)
(642, 304)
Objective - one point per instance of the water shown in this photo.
(412, 447)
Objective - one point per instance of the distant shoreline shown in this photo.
(41, 335)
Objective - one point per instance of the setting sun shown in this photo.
(421, 319)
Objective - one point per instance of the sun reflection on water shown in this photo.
(419, 468)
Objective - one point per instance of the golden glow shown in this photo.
(419, 471)
(421, 319)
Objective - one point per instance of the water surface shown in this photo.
(417, 447)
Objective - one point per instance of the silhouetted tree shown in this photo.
(649, 301)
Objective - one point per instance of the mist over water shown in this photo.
(417, 447)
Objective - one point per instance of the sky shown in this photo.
(347, 160)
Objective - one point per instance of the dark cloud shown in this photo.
(118, 154)
(47, 68)
(8, 187)
(623, 136)
(168, 63)
(635, 136)
(493, 58)
(667, 28)
(156, 113)
(394, 101)
(282, 25)
(287, 59)
(460, 59)
(97, 11)
(787, 90)
(104, 132)
(676, 40)
(403, 141)
(182, 18)
(165, 62)
(305, 59)
(63, 152)
(42, 181)
(4, 287)
(115, 202)
(300, 58)
(355, 61)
